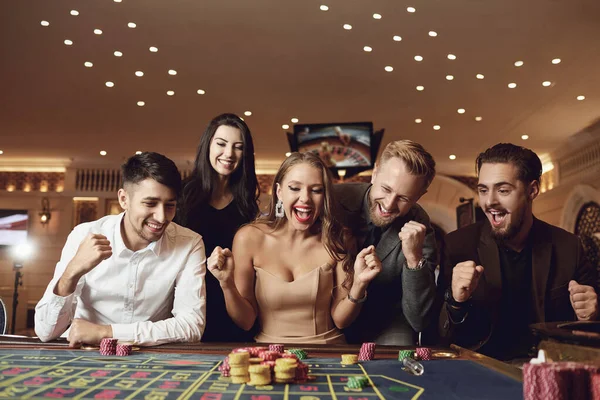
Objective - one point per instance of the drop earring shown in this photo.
(279, 212)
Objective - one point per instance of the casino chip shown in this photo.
(349, 359)
(367, 351)
(123, 350)
(300, 353)
(108, 346)
(423, 353)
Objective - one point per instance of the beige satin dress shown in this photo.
(297, 311)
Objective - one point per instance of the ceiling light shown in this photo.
(74, 12)
(1, 152)
(432, 33)
(449, 77)
(118, 53)
(437, 127)
(580, 98)
(138, 152)
(411, 9)
(451, 57)
(397, 38)
(294, 120)
(376, 16)
(368, 49)
(285, 126)
(109, 84)
(347, 27)
(102, 152)
(478, 119)
(131, 25)
(200, 91)
(519, 63)
(88, 64)
(170, 93)
(288, 154)
(324, 8)
(141, 103)
(139, 73)
(512, 85)
(420, 88)
(479, 76)
(98, 31)
(68, 42)
(418, 58)
(117, 1)
(524, 137)
(45, 23)
(389, 68)
(546, 83)
(452, 157)
(153, 49)
(556, 61)
(461, 111)
(247, 113)
(418, 120)
(172, 72)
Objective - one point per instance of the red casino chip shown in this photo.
(269, 355)
(124, 350)
(255, 351)
(423, 353)
(277, 347)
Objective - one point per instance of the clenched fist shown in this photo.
(412, 236)
(366, 266)
(94, 249)
(221, 265)
(465, 277)
(584, 301)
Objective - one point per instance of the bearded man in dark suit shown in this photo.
(510, 270)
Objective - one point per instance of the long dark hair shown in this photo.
(242, 182)
(334, 235)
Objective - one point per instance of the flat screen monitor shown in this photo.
(13, 227)
(340, 145)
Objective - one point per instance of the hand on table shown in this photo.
(83, 331)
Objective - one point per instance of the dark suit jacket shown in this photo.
(557, 258)
(400, 300)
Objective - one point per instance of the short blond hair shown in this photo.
(418, 161)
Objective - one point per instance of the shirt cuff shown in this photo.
(124, 332)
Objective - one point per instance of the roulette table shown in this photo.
(31, 369)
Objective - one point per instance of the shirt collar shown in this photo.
(119, 244)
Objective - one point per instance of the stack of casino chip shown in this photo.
(239, 363)
(423, 353)
(285, 370)
(276, 347)
(108, 346)
(357, 382)
(301, 373)
(123, 350)
(224, 368)
(256, 350)
(299, 353)
(268, 355)
(367, 352)
(260, 375)
(561, 380)
(349, 359)
(402, 354)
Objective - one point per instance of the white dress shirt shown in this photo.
(152, 296)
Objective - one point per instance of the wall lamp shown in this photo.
(45, 215)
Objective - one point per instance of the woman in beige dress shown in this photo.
(293, 269)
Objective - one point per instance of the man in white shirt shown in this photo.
(135, 276)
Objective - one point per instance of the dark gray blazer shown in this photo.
(399, 301)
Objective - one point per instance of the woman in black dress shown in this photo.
(220, 196)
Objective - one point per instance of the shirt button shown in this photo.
(130, 285)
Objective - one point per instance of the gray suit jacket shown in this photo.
(400, 300)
